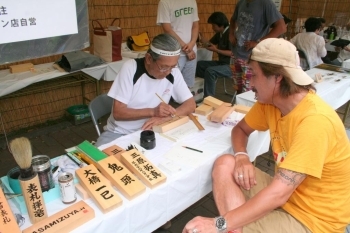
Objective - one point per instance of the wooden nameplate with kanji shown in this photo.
(115, 151)
(143, 168)
(171, 124)
(8, 221)
(121, 177)
(98, 188)
(64, 221)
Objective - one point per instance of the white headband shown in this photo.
(165, 53)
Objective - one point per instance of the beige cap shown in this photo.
(281, 52)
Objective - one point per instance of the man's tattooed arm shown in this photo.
(289, 177)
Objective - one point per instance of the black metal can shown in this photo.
(67, 188)
(148, 139)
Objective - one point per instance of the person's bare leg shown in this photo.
(227, 194)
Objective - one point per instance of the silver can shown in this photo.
(67, 188)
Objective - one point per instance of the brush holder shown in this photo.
(12, 177)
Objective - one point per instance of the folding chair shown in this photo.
(99, 107)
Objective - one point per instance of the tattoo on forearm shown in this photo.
(290, 177)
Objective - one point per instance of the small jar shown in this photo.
(148, 139)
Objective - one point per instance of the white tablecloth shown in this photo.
(154, 207)
(335, 93)
(10, 83)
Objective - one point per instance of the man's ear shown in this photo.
(278, 78)
(148, 58)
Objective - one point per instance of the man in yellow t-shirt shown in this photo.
(310, 191)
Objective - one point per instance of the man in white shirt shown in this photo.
(311, 44)
(136, 104)
(180, 19)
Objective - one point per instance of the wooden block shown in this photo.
(168, 125)
(21, 68)
(81, 192)
(120, 176)
(98, 188)
(115, 151)
(142, 168)
(196, 122)
(7, 221)
(204, 109)
(211, 101)
(242, 109)
(64, 221)
(318, 78)
(221, 113)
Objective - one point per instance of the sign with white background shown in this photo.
(22, 20)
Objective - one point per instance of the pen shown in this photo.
(192, 149)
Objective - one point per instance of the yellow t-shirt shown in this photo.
(312, 140)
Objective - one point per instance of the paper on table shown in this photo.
(185, 156)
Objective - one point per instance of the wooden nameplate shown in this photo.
(242, 109)
(221, 113)
(21, 68)
(121, 177)
(211, 101)
(204, 109)
(142, 168)
(98, 188)
(171, 124)
(8, 221)
(115, 151)
(64, 221)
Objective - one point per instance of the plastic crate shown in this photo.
(78, 114)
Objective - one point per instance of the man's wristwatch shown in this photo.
(220, 224)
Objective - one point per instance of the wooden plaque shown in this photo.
(143, 168)
(115, 151)
(242, 109)
(21, 68)
(7, 220)
(204, 109)
(121, 177)
(168, 125)
(64, 221)
(221, 113)
(98, 188)
(211, 101)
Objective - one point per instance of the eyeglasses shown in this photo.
(165, 69)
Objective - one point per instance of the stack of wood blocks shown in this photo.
(218, 109)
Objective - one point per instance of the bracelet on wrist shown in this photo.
(240, 153)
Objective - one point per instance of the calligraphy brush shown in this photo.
(22, 152)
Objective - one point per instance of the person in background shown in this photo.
(344, 53)
(310, 190)
(323, 25)
(219, 43)
(135, 89)
(286, 22)
(250, 24)
(311, 44)
(180, 19)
